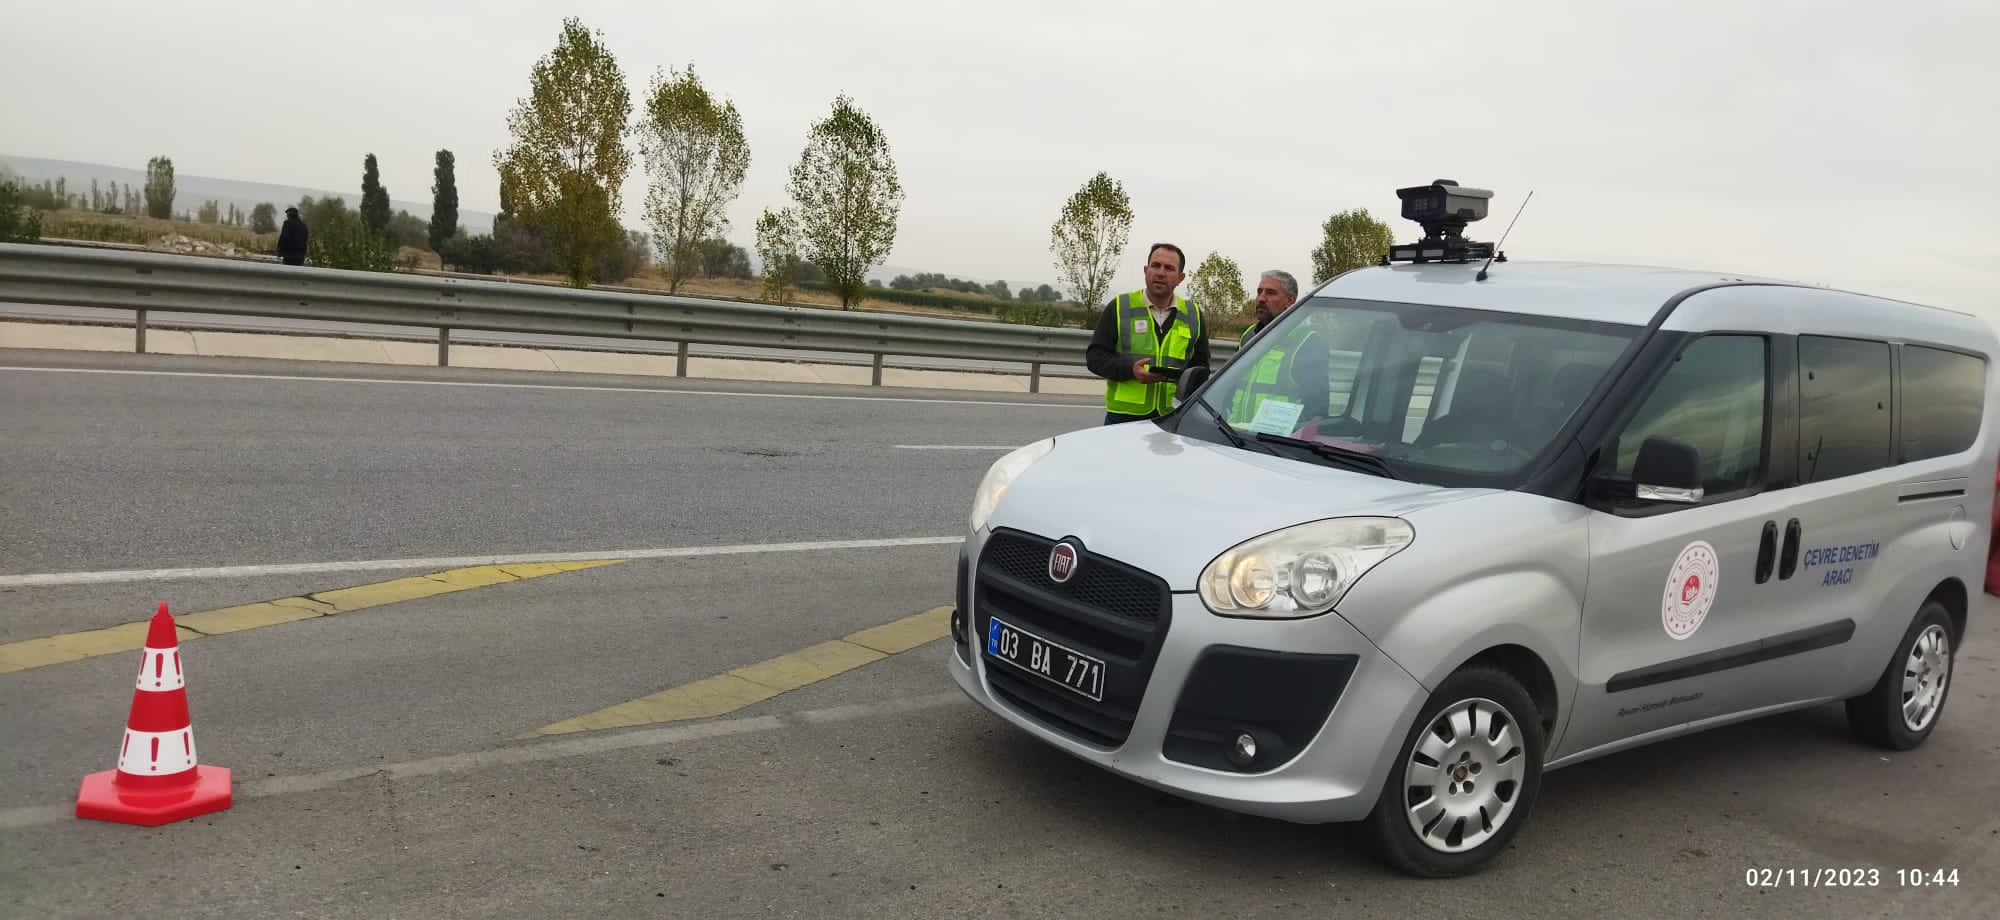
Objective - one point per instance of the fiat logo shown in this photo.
(1062, 563)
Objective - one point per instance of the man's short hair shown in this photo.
(1176, 250)
(1286, 281)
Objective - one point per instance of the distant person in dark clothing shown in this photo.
(292, 238)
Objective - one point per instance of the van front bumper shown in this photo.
(1295, 720)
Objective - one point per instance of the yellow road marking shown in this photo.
(731, 690)
(125, 637)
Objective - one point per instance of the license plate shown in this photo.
(1070, 669)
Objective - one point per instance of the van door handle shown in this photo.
(1790, 564)
(1767, 552)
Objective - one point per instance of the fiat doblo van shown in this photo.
(1535, 514)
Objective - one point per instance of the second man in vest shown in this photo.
(1145, 338)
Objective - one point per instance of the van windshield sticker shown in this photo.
(1276, 416)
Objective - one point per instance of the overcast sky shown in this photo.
(1838, 142)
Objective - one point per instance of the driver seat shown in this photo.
(1482, 410)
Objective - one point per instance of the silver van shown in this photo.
(1454, 521)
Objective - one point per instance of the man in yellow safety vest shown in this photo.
(1145, 338)
(1295, 368)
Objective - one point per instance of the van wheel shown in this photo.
(1464, 779)
(1906, 702)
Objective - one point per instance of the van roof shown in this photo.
(1630, 294)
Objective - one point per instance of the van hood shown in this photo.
(1170, 504)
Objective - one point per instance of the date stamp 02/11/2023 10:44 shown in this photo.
(1865, 877)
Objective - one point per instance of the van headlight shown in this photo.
(1000, 475)
(1300, 571)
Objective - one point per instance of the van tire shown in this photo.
(1919, 673)
(1512, 774)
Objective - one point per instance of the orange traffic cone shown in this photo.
(158, 780)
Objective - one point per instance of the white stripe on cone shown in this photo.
(161, 670)
(157, 753)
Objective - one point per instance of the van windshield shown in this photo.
(1435, 394)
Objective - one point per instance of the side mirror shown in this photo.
(1190, 380)
(1667, 470)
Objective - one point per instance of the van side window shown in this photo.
(1843, 407)
(1712, 398)
(1944, 398)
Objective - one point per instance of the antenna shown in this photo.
(1497, 253)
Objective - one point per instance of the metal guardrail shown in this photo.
(176, 283)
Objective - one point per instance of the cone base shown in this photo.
(101, 798)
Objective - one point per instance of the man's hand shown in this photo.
(1144, 374)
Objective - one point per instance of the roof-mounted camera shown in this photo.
(1443, 208)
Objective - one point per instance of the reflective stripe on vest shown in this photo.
(1261, 382)
(1136, 339)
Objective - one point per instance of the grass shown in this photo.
(91, 226)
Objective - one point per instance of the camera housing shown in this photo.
(1442, 208)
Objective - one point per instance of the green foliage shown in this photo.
(210, 212)
(374, 198)
(95, 230)
(160, 188)
(624, 260)
(340, 239)
(479, 254)
(264, 218)
(444, 201)
(696, 158)
(721, 258)
(1089, 235)
(515, 248)
(18, 222)
(1352, 239)
(408, 230)
(1040, 314)
(567, 162)
(1217, 287)
(848, 197)
(778, 246)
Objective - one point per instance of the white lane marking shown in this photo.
(545, 386)
(956, 446)
(579, 746)
(63, 579)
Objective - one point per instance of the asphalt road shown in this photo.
(378, 754)
(210, 321)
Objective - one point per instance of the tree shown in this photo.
(210, 212)
(160, 188)
(374, 198)
(1352, 239)
(1089, 236)
(444, 200)
(778, 249)
(264, 218)
(1217, 287)
(568, 159)
(848, 198)
(696, 158)
(19, 222)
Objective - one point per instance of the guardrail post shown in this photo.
(681, 360)
(139, 324)
(1035, 377)
(878, 370)
(444, 346)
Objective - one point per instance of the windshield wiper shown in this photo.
(1367, 463)
(1229, 431)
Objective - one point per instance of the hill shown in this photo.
(190, 190)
